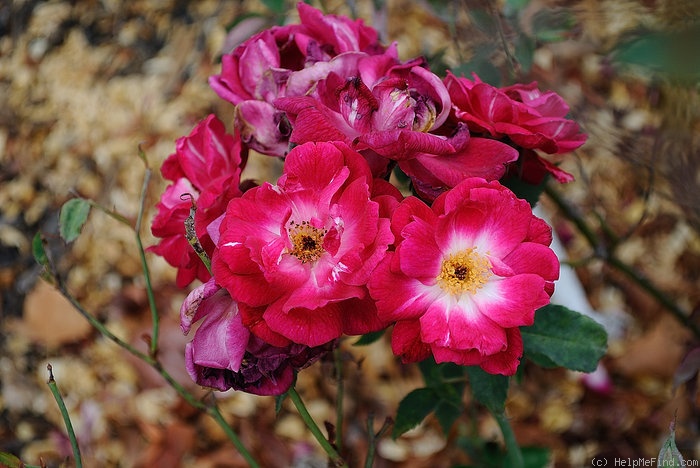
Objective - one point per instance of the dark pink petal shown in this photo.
(317, 167)
(304, 326)
(357, 104)
(252, 318)
(427, 84)
(340, 32)
(406, 342)
(482, 158)
(463, 357)
(312, 124)
(360, 316)
(260, 56)
(302, 82)
(539, 231)
(228, 84)
(506, 362)
(410, 208)
(401, 145)
(565, 134)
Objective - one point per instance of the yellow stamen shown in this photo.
(307, 241)
(465, 271)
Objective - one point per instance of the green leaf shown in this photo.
(669, 455)
(436, 375)
(276, 6)
(488, 389)
(413, 409)
(442, 395)
(565, 338)
(536, 457)
(671, 53)
(447, 413)
(38, 250)
(279, 399)
(73, 215)
(9, 460)
(369, 338)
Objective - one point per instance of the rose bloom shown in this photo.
(224, 354)
(395, 112)
(466, 273)
(529, 118)
(286, 61)
(205, 169)
(297, 255)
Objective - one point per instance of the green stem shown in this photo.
(602, 252)
(337, 354)
(144, 266)
(215, 413)
(335, 458)
(99, 326)
(66, 418)
(372, 438)
(211, 409)
(514, 457)
(371, 444)
(155, 364)
(656, 293)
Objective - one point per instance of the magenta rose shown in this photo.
(465, 274)
(529, 118)
(288, 60)
(399, 117)
(297, 255)
(205, 169)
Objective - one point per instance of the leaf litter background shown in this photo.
(83, 83)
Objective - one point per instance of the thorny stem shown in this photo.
(335, 458)
(144, 266)
(601, 251)
(66, 418)
(152, 361)
(372, 438)
(150, 358)
(502, 37)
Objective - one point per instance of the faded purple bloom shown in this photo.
(224, 354)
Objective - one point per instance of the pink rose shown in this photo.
(466, 273)
(205, 169)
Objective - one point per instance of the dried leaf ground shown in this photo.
(83, 83)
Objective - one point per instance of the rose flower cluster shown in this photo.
(332, 248)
